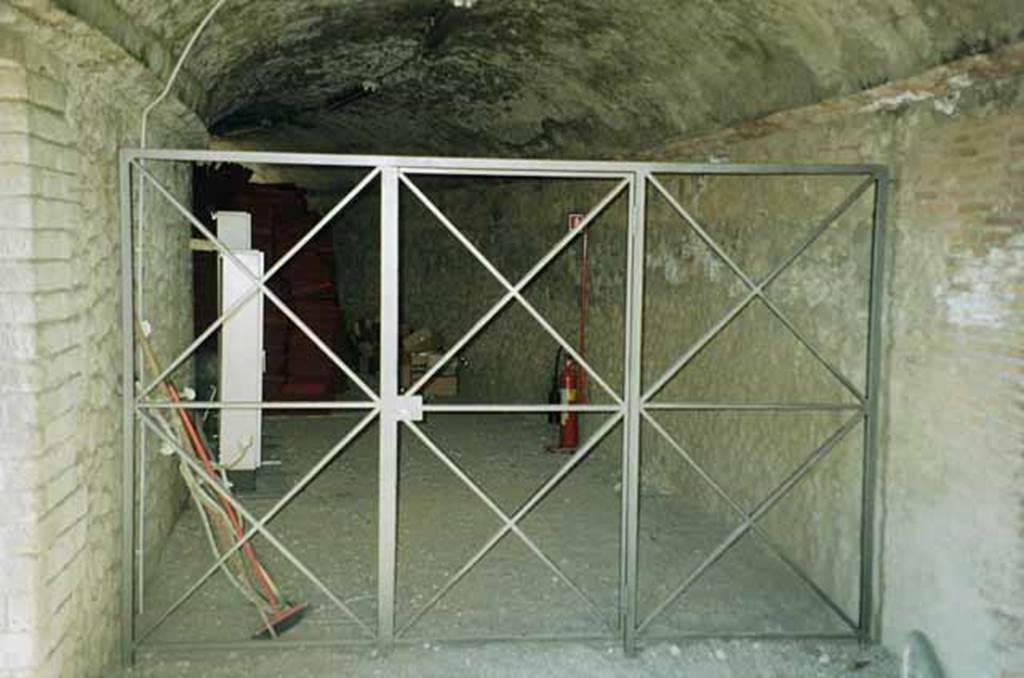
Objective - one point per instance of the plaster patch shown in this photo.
(896, 101)
(981, 293)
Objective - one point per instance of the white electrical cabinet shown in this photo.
(241, 346)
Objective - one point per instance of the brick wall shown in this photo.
(61, 122)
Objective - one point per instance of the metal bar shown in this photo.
(387, 512)
(127, 420)
(259, 286)
(513, 173)
(573, 461)
(758, 531)
(809, 345)
(521, 638)
(215, 483)
(164, 647)
(413, 162)
(257, 405)
(759, 287)
(867, 619)
(696, 348)
(632, 376)
(513, 289)
(754, 635)
(515, 408)
(778, 493)
(771, 407)
(486, 499)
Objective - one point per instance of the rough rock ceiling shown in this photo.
(546, 77)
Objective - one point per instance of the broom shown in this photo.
(281, 615)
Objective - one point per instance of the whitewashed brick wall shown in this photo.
(60, 339)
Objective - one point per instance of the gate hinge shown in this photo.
(409, 408)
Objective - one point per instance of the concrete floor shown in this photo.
(704, 659)
(332, 528)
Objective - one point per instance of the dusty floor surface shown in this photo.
(331, 527)
(710, 659)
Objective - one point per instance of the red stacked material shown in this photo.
(296, 369)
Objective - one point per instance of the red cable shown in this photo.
(584, 280)
(204, 456)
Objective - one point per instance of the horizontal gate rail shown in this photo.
(769, 407)
(504, 167)
(256, 405)
(474, 408)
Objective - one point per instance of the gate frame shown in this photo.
(391, 408)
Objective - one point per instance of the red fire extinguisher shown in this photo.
(568, 428)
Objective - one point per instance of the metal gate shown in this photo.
(632, 402)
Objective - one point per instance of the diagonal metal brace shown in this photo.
(259, 285)
(757, 289)
(534, 499)
(515, 291)
(257, 525)
(513, 526)
(758, 531)
(748, 523)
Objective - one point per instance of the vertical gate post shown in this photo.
(388, 462)
(127, 419)
(632, 377)
(867, 624)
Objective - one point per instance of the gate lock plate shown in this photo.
(409, 408)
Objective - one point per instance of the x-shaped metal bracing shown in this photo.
(512, 522)
(749, 520)
(259, 284)
(514, 291)
(756, 291)
(257, 525)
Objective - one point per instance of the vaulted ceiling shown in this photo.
(543, 77)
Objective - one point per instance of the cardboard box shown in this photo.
(444, 384)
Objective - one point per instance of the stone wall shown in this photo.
(64, 115)
(951, 500)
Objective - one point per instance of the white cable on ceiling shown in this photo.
(143, 133)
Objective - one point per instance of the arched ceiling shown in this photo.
(544, 77)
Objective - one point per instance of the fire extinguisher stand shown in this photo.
(572, 378)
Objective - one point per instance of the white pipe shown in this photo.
(139, 274)
(143, 138)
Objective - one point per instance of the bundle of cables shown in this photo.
(224, 529)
